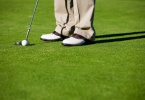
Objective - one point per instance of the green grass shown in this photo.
(111, 69)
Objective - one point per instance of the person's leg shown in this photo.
(84, 13)
(84, 30)
(64, 16)
(64, 20)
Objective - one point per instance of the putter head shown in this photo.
(17, 43)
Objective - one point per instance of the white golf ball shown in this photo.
(25, 43)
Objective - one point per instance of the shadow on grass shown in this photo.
(119, 37)
(31, 44)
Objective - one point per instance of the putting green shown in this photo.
(113, 68)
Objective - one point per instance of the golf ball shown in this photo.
(25, 43)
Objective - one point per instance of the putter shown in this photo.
(29, 27)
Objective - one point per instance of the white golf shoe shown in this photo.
(51, 37)
(75, 40)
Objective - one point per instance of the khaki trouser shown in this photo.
(75, 13)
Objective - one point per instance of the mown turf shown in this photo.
(111, 69)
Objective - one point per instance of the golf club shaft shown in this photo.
(31, 19)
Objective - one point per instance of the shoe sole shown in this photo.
(72, 44)
(86, 43)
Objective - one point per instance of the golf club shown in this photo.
(29, 27)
